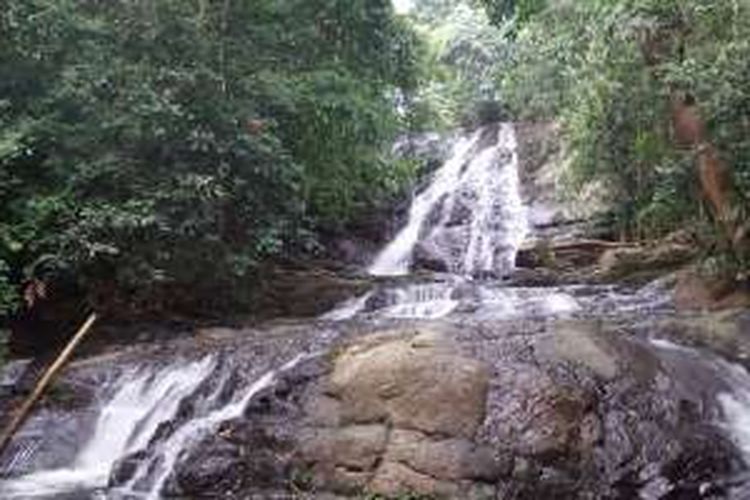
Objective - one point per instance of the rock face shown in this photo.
(543, 161)
(305, 292)
(648, 261)
(568, 410)
(695, 292)
(399, 414)
(415, 383)
(600, 261)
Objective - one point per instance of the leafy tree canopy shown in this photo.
(611, 71)
(179, 144)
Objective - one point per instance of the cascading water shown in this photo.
(154, 472)
(395, 259)
(145, 399)
(732, 389)
(469, 222)
(470, 218)
(128, 422)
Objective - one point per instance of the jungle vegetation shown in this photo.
(651, 96)
(173, 146)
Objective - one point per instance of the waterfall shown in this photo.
(130, 419)
(171, 449)
(470, 218)
(126, 422)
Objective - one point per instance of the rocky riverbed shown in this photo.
(591, 370)
(592, 401)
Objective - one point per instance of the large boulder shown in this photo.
(415, 382)
(398, 414)
(514, 410)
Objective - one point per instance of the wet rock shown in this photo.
(397, 414)
(429, 258)
(648, 261)
(126, 468)
(461, 212)
(722, 331)
(452, 459)
(214, 470)
(414, 382)
(535, 416)
(580, 342)
(694, 291)
(570, 411)
(394, 479)
(323, 411)
(305, 292)
(242, 456)
(356, 447)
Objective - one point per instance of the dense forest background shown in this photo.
(174, 146)
(651, 95)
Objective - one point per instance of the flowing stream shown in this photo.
(126, 423)
(471, 220)
(471, 215)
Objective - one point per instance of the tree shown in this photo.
(612, 71)
(170, 146)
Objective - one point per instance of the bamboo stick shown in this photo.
(44, 381)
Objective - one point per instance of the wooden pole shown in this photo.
(49, 374)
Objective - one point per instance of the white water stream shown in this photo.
(127, 423)
(470, 214)
(161, 465)
(471, 217)
(733, 398)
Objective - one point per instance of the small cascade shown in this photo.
(498, 225)
(470, 219)
(736, 406)
(421, 301)
(132, 420)
(395, 259)
(348, 309)
(732, 391)
(516, 303)
(155, 472)
(144, 399)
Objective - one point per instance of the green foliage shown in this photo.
(519, 10)
(461, 52)
(186, 142)
(8, 296)
(607, 69)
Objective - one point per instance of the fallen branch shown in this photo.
(44, 381)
